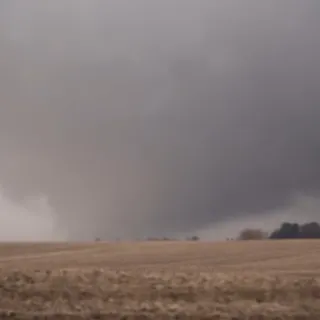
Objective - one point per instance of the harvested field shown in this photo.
(161, 280)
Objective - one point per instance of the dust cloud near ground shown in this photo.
(31, 220)
(141, 117)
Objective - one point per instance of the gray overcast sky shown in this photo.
(145, 117)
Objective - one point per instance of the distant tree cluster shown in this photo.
(252, 234)
(192, 238)
(287, 230)
(161, 239)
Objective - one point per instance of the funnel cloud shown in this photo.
(147, 118)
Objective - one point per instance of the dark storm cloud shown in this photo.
(155, 117)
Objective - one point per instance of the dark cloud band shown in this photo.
(139, 118)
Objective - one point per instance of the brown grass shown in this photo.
(161, 280)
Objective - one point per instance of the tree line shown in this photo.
(287, 230)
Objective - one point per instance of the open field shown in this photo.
(161, 280)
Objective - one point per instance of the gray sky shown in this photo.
(142, 117)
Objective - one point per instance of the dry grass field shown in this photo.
(260, 280)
